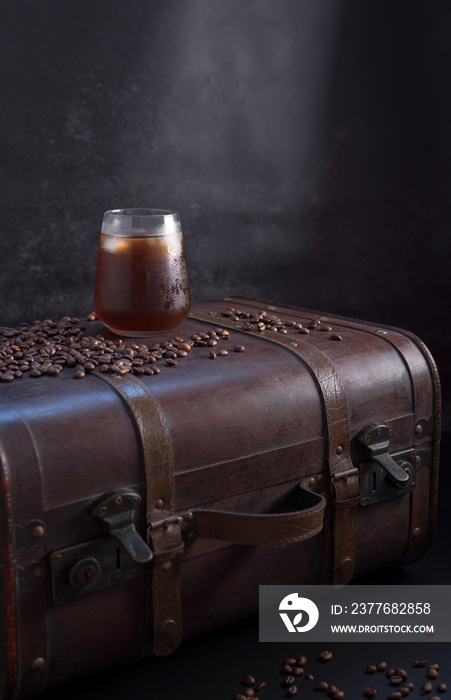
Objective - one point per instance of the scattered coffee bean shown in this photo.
(249, 693)
(331, 689)
(436, 666)
(240, 696)
(371, 669)
(426, 688)
(309, 677)
(409, 685)
(248, 680)
(394, 696)
(419, 664)
(301, 661)
(297, 671)
(322, 685)
(381, 666)
(260, 686)
(79, 374)
(290, 662)
(389, 672)
(338, 695)
(286, 668)
(289, 680)
(325, 655)
(292, 690)
(442, 687)
(170, 362)
(212, 355)
(239, 348)
(401, 672)
(90, 317)
(396, 680)
(369, 692)
(222, 353)
(434, 697)
(432, 673)
(335, 336)
(404, 691)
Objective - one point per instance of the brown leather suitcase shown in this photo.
(140, 508)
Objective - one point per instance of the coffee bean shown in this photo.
(331, 690)
(419, 664)
(35, 373)
(248, 680)
(426, 688)
(79, 374)
(409, 685)
(401, 672)
(90, 317)
(432, 673)
(436, 666)
(404, 691)
(240, 696)
(292, 690)
(309, 677)
(338, 695)
(222, 353)
(286, 668)
(212, 355)
(369, 692)
(394, 696)
(212, 342)
(325, 655)
(371, 669)
(389, 672)
(381, 666)
(249, 693)
(396, 680)
(290, 662)
(298, 671)
(170, 362)
(442, 687)
(260, 686)
(434, 697)
(239, 348)
(322, 685)
(301, 661)
(289, 680)
(304, 331)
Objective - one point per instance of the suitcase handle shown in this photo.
(269, 529)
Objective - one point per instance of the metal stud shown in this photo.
(311, 481)
(339, 450)
(416, 533)
(418, 429)
(38, 664)
(159, 503)
(37, 532)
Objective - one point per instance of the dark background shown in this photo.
(305, 143)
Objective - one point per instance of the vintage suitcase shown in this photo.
(139, 508)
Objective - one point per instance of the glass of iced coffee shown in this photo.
(142, 285)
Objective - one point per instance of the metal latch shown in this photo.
(382, 475)
(105, 561)
(116, 514)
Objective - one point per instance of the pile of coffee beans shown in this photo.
(46, 347)
(293, 670)
(262, 321)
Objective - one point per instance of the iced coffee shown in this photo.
(142, 282)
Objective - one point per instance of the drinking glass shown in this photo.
(142, 284)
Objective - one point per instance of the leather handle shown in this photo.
(270, 529)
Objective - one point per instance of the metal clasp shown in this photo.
(116, 514)
(382, 475)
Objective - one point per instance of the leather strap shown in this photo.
(345, 482)
(265, 530)
(164, 537)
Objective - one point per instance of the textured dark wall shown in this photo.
(305, 144)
